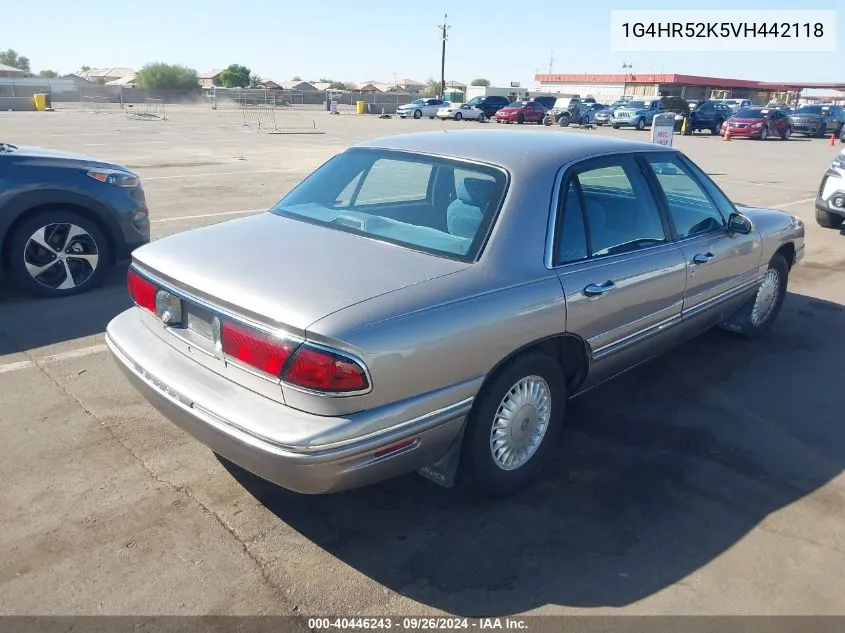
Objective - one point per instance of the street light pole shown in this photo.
(443, 28)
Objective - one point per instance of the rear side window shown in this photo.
(425, 203)
(571, 242)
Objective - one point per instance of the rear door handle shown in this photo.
(595, 290)
(702, 259)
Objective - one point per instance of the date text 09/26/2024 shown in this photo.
(416, 624)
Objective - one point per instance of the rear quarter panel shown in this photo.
(447, 332)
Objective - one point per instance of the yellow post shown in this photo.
(684, 125)
(362, 107)
(40, 102)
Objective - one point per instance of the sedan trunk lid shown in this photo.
(286, 272)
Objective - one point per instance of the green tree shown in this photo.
(296, 78)
(341, 85)
(255, 81)
(11, 58)
(48, 74)
(431, 88)
(480, 82)
(84, 69)
(235, 76)
(158, 76)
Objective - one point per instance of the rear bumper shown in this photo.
(217, 412)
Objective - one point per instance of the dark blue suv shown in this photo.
(65, 218)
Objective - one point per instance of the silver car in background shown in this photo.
(428, 302)
(420, 108)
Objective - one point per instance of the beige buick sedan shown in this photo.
(428, 302)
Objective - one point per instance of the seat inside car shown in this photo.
(465, 213)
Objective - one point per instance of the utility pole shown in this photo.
(551, 62)
(443, 29)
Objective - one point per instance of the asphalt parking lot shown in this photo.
(708, 481)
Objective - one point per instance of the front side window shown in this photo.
(690, 208)
(429, 204)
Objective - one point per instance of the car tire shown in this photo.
(640, 125)
(417, 114)
(520, 119)
(431, 117)
(614, 126)
(458, 116)
(764, 133)
(481, 118)
(547, 120)
(756, 317)
(564, 121)
(71, 272)
(828, 220)
(503, 450)
(786, 134)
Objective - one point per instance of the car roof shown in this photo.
(509, 148)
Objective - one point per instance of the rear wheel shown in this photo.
(786, 134)
(58, 253)
(828, 220)
(764, 133)
(717, 127)
(564, 120)
(520, 119)
(482, 118)
(514, 424)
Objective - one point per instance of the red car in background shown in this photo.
(521, 111)
(759, 123)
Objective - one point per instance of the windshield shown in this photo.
(811, 109)
(417, 102)
(637, 105)
(429, 204)
(7, 147)
(750, 113)
(516, 104)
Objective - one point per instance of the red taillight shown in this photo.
(255, 348)
(143, 292)
(323, 371)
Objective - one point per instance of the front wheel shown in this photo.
(828, 220)
(58, 253)
(547, 120)
(756, 317)
(482, 118)
(614, 126)
(764, 133)
(458, 116)
(520, 119)
(786, 134)
(417, 114)
(564, 121)
(514, 424)
(640, 125)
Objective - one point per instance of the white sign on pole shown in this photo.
(663, 129)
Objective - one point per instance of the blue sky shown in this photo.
(356, 40)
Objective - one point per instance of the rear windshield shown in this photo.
(812, 109)
(429, 204)
(751, 113)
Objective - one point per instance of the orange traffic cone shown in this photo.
(832, 142)
(727, 136)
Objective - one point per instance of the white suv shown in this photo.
(830, 202)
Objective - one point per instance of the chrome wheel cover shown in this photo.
(520, 423)
(61, 256)
(767, 295)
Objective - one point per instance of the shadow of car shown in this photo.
(657, 474)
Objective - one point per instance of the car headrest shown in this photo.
(475, 191)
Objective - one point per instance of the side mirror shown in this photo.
(738, 223)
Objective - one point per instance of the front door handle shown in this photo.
(702, 259)
(595, 290)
